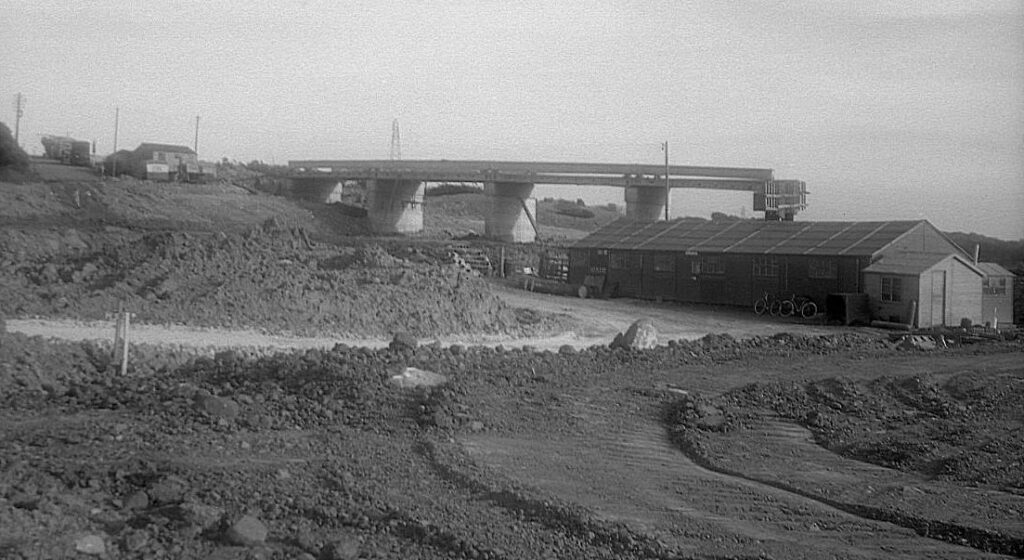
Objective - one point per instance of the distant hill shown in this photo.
(1009, 254)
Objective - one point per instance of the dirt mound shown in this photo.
(270, 278)
(963, 428)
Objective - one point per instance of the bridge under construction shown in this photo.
(395, 188)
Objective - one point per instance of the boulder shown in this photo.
(168, 491)
(247, 531)
(641, 335)
(415, 377)
(92, 545)
(917, 342)
(217, 407)
(403, 341)
(201, 515)
(342, 547)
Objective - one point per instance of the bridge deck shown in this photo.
(611, 174)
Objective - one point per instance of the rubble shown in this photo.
(641, 335)
(268, 278)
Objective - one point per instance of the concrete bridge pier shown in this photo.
(318, 190)
(645, 204)
(513, 215)
(395, 205)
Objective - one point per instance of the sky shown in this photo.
(888, 110)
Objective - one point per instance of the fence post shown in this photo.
(124, 341)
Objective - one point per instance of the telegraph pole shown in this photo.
(117, 115)
(396, 141)
(19, 111)
(196, 147)
(665, 146)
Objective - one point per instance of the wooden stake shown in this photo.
(124, 341)
(117, 338)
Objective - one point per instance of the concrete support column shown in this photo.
(645, 204)
(317, 190)
(513, 214)
(394, 205)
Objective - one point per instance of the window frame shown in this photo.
(894, 294)
(766, 266)
(663, 262)
(617, 261)
(823, 268)
(711, 264)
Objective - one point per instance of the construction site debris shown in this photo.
(269, 278)
(641, 335)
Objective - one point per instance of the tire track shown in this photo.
(622, 466)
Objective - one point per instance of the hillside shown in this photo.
(1009, 254)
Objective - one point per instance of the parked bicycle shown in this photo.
(802, 305)
(768, 304)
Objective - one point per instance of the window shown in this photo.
(891, 288)
(695, 266)
(711, 264)
(993, 286)
(766, 267)
(822, 268)
(616, 261)
(160, 156)
(663, 262)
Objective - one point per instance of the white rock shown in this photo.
(415, 377)
(91, 544)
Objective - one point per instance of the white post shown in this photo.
(117, 338)
(124, 342)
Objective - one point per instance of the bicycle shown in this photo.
(803, 305)
(768, 303)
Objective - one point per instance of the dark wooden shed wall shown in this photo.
(677, 276)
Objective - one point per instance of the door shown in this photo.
(938, 299)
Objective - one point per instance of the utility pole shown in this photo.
(665, 146)
(196, 147)
(19, 111)
(117, 115)
(396, 141)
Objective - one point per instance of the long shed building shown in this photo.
(737, 262)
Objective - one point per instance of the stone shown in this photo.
(917, 342)
(342, 548)
(136, 540)
(641, 335)
(216, 407)
(200, 515)
(403, 341)
(247, 531)
(415, 377)
(226, 356)
(92, 545)
(138, 500)
(168, 491)
(476, 426)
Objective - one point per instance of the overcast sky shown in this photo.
(888, 109)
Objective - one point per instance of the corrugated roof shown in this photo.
(993, 269)
(749, 236)
(908, 263)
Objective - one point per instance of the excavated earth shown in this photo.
(834, 446)
(665, 453)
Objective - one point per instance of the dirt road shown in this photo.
(595, 322)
